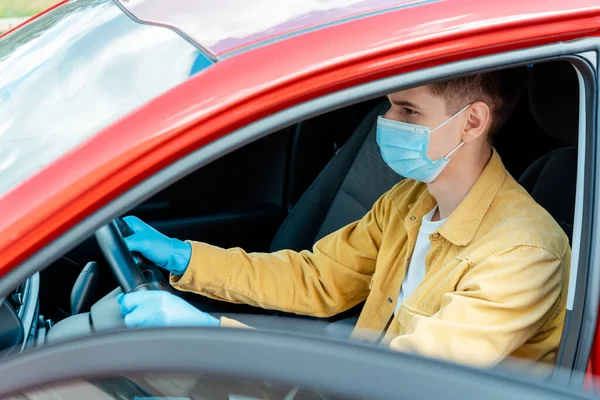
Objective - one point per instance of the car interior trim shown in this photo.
(272, 123)
(580, 325)
(581, 172)
(592, 57)
(588, 277)
(29, 310)
(577, 338)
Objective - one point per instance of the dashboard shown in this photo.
(25, 301)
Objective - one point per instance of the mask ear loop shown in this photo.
(455, 149)
(451, 118)
(448, 120)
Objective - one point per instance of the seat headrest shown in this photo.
(554, 100)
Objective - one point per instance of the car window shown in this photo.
(75, 70)
(173, 386)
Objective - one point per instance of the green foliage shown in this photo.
(31, 32)
(23, 8)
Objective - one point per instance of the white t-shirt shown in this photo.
(416, 268)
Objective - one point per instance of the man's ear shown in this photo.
(478, 120)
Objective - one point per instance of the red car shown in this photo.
(250, 123)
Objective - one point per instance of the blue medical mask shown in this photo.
(403, 147)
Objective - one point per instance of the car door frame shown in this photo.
(352, 370)
(582, 311)
(588, 266)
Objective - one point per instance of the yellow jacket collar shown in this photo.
(465, 220)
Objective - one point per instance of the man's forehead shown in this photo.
(419, 96)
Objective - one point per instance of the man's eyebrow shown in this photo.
(404, 103)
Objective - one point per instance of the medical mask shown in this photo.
(404, 146)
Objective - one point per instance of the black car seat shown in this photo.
(343, 192)
(554, 102)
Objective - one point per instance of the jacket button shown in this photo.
(435, 235)
(390, 300)
(413, 218)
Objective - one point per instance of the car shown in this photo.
(252, 124)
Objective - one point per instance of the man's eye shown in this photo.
(408, 111)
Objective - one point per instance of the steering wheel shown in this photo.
(131, 275)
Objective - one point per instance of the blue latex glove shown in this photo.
(155, 308)
(168, 253)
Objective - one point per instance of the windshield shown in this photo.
(72, 72)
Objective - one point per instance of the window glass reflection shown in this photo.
(72, 72)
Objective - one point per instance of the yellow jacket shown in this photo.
(495, 283)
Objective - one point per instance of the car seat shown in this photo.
(551, 179)
(343, 192)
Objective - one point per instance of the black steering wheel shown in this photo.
(132, 272)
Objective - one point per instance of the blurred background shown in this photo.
(13, 12)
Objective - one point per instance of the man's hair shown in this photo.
(500, 90)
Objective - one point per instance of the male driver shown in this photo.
(457, 261)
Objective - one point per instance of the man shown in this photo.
(457, 261)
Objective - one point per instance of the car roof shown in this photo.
(228, 26)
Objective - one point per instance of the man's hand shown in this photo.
(171, 254)
(155, 308)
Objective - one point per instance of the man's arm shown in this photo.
(497, 306)
(332, 278)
